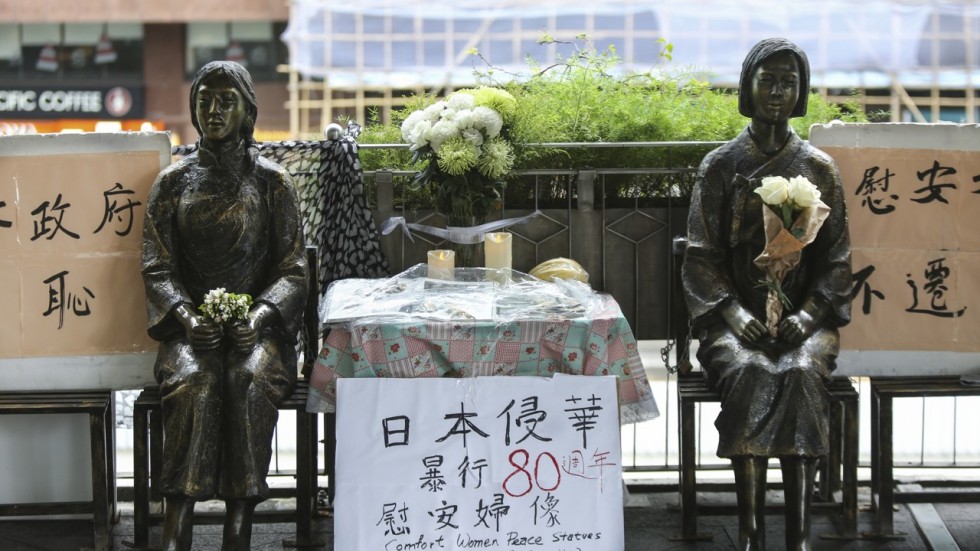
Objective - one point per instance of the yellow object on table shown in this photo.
(560, 268)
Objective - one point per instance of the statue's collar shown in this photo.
(776, 163)
(790, 144)
(239, 158)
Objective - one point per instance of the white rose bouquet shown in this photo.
(792, 215)
(223, 307)
(463, 140)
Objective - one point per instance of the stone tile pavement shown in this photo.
(651, 520)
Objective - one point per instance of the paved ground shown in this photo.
(651, 521)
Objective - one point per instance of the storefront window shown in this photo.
(72, 51)
(253, 44)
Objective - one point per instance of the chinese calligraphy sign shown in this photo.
(71, 214)
(915, 240)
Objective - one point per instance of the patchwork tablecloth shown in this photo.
(601, 345)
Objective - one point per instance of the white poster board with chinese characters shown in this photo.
(913, 194)
(71, 226)
(494, 463)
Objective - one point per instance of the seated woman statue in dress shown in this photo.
(222, 217)
(773, 400)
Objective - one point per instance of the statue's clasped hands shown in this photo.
(203, 333)
(245, 333)
(206, 334)
(745, 326)
(793, 329)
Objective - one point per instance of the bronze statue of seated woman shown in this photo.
(222, 217)
(771, 375)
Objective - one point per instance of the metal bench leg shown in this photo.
(882, 474)
(843, 458)
(141, 478)
(100, 483)
(886, 503)
(688, 474)
(156, 453)
(306, 480)
(304, 491)
(849, 490)
(313, 450)
(689, 496)
(875, 450)
(110, 438)
(330, 453)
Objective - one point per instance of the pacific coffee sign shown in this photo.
(117, 102)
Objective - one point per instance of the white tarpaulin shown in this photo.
(407, 43)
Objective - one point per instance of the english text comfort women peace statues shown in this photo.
(768, 308)
(223, 217)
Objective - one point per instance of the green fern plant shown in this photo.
(587, 96)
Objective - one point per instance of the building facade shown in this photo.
(127, 65)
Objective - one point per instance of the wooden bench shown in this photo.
(148, 455)
(98, 405)
(692, 388)
(883, 495)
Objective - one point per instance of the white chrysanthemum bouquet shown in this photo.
(463, 140)
(792, 215)
(223, 307)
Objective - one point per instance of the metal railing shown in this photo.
(617, 223)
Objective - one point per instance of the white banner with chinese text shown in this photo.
(487, 462)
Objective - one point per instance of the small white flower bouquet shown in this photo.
(223, 307)
(792, 220)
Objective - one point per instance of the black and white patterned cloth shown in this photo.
(336, 215)
(346, 236)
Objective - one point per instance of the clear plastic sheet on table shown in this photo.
(476, 294)
(413, 326)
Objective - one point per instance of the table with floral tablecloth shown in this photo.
(601, 344)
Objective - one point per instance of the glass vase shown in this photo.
(467, 256)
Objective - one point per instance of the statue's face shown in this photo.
(220, 109)
(775, 88)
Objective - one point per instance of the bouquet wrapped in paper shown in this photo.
(792, 215)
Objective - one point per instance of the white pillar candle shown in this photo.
(441, 264)
(497, 250)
